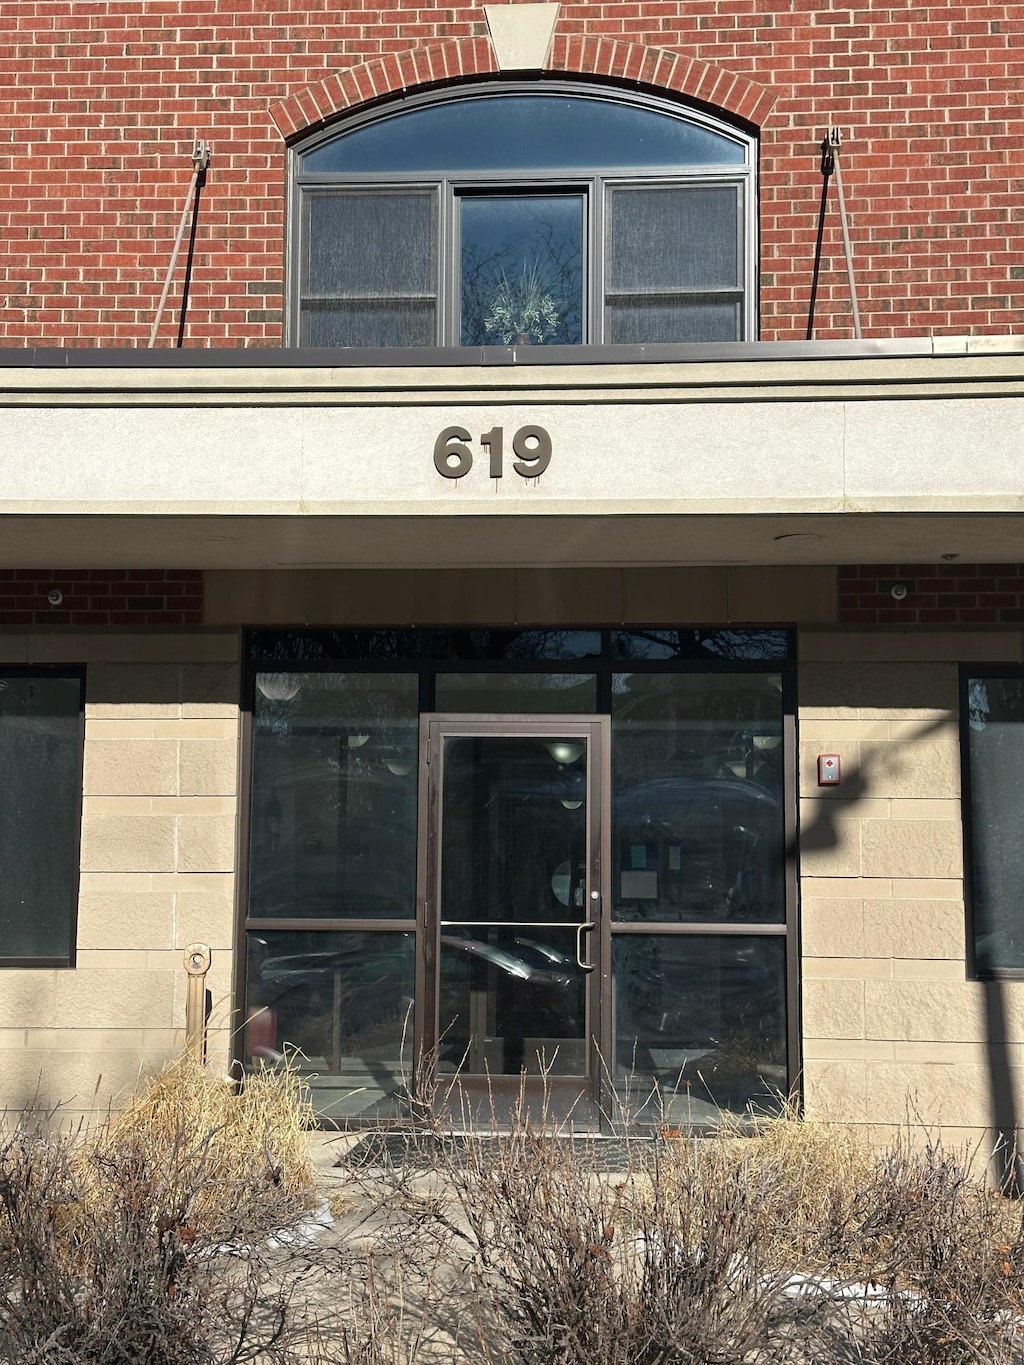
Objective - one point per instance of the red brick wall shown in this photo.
(99, 100)
(954, 593)
(101, 597)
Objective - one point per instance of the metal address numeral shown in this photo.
(531, 444)
(532, 460)
(450, 446)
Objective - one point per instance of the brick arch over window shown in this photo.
(654, 67)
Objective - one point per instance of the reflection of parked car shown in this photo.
(526, 994)
(543, 955)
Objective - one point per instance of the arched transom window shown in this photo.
(524, 216)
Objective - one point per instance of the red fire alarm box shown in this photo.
(829, 770)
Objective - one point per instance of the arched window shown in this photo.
(515, 215)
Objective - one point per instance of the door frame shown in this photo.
(595, 730)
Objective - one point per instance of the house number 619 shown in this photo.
(531, 446)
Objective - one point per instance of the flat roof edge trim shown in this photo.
(137, 357)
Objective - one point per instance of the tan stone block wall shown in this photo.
(893, 1028)
(157, 869)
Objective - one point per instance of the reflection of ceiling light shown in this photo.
(565, 750)
(767, 741)
(401, 767)
(739, 769)
(357, 741)
(279, 686)
(572, 805)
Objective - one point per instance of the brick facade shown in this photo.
(101, 597)
(100, 102)
(937, 594)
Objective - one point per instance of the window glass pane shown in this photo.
(517, 644)
(696, 644)
(697, 797)
(516, 132)
(286, 646)
(368, 244)
(314, 646)
(41, 763)
(665, 239)
(521, 277)
(334, 796)
(344, 1002)
(371, 268)
(514, 828)
(513, 882)
(652, 320)
(699, 1025)
(996, 755)
(387, 322)
(517, 693)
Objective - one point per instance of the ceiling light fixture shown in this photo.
(279, 686)
(565, 750)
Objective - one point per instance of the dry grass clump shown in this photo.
(249, 1140)
(810, 1178)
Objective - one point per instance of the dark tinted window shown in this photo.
(41, 774)
(995, 752)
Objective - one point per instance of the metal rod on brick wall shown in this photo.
(835, 139)
(827, 167)
(200, 161)
(197, 964)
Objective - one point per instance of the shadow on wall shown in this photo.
(202, 688)
(861, 781)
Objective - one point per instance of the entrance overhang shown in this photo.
(610, 541)
(725, 455)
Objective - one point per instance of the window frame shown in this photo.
(594, 182)
(75, 672)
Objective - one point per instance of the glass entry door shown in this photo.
(512, 900)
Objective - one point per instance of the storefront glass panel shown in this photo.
(699, 1025)
(517, 693)
(698, 814)
(340, 1004)
(333, 825)
(428, 807)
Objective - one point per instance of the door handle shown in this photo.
(582, 929)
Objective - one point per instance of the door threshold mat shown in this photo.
(427, 1150)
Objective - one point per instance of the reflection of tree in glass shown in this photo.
(525, 293)
(683, 644)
